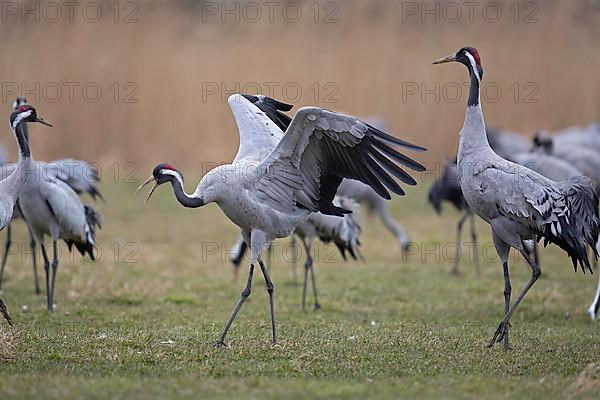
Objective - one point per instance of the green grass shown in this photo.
(141, 322)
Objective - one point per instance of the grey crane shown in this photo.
(447, 188)
(519, 203)
(12, 185)
(288, 176)
(52, 208)
(81, 176)
(585, 159)
(343, 231)
(578, 136)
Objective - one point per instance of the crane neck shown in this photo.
(21, 134)
(473, 137)
(182, 197)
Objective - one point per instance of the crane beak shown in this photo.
(450, 58)
(43, 121)
(151, 179)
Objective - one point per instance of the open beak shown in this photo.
(43, 121)
(151, 179)
(450, 58)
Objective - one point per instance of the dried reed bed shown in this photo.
(371, 55)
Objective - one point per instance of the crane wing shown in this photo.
(79, 175)
(260, 124)
(65, 206)
(564, 213)
(318, 150)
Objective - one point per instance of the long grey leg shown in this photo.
(54, 270)
(270, 289)
(47, 270)
(391, 224)
(475, 246)
(504, 324)
(306, 267)
(314, 283)
(243, 297)
(294, 259)
(593, 310)
(503, 250)
(459, 227)
(6, 249)
(34, 258)
(269, 256)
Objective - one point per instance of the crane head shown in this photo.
(26, 113)
(162, 173)
(19, 101)
(468, 56)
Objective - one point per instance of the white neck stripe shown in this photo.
(473, 65)
(19, 118)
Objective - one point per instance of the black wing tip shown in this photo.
(278, 105)
(399, 142)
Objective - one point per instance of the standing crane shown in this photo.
(519, 203)
(12, 186)
(51, 207)
(288, 176)
(343, 231)
(79, 175)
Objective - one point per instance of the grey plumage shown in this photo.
(365, 195)
(343, 231)
(584, 159)
(51, 207)
(81, 176)
(288, 176)
(519, 203)
(12, 185)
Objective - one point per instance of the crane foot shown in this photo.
(501, 334)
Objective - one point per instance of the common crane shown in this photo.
(519, 203)
(277, 180)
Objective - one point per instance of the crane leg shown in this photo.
(269, 256)
(502, 330)
(4, 312)
(5, 255)
(34, 258)
(47, 270)
(270, 290)
(593, 310)
(459, 227)
(245, 294)
(314, 284)
(294, 260)
(54, 270)
(503, 250)
(475, 246)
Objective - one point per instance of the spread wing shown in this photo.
(260, 124)
(318, 150)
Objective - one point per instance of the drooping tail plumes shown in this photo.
(343, 231)
(578, 224)
(93, 222)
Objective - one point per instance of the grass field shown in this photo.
(141, 322)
